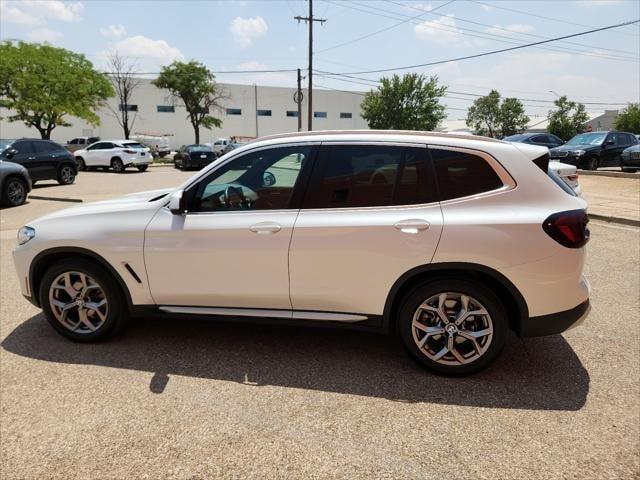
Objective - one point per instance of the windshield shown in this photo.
(4, 144)
(587, 139)
(199, 148)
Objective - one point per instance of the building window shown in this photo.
(128, 107)
(166, 108)
(319, 114)
(264, 113)
(292, 113)
(234, 111)
(346, 115)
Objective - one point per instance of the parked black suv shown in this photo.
(592, 150)
(545, 139)
(44, 159)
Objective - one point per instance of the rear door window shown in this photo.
(462, 174)
(356, 176)
(22, 147)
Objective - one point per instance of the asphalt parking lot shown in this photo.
(195, 399)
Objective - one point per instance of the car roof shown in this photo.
(388, 133)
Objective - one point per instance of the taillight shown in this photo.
(568, 228)
(129, 151)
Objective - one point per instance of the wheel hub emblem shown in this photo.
(451, 329)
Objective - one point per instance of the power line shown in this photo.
(493, 52)
(564, 21)
(409, 19)
(496, 27)
(347, 78)
(478, 34)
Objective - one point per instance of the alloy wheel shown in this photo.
(78, 302)
(452, 328)
(16, 193)
(66, 175)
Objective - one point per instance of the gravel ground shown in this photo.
(193, 399)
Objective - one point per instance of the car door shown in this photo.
(609, 157)
(230, 249)
(24, 155)
(47, 160)
(370, 214)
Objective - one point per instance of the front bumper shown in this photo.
(630, 161)
(555, 323)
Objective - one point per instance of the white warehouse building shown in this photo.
(248, 111)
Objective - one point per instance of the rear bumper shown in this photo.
(555, 323)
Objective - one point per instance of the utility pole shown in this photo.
(298, 100)
(309, 21)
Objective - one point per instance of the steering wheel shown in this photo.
(234, 197)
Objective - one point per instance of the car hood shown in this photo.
(633, 148)
(150, 200)
(572, 148)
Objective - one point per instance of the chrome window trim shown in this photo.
(269, 313)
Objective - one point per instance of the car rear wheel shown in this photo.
(66, 175)
(453, 327)
(14, 192)
(143, 168)
(117, 165)
(82, 301)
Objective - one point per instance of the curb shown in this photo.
(610, 219)
(597, 173)
(156, 165)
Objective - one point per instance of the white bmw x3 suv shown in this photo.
(448, 241)
(114, 154)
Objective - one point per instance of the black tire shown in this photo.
(143, 168)
(496, 316)
(117, 314)
(591, 163)
(629, 170)
(81, 165)
(66, 174)
(14, 192)
(117, 165)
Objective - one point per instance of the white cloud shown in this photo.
(42, 35)
(55, 9)
(515, 28)
(419, 6)
(34, 12)
(487, 8)
(443, 30)
(10, 13)
(246, 30)
(113, 31)
(143, 47)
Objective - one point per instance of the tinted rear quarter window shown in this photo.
(352, 176)
(462, 174)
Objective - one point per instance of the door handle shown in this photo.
(265, 228)
(31, 158)
(412, 225)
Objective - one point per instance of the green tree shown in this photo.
(568, 118)
(513, 119)
(628, 120)
(493, 117)
(410, 102)
(41, 85)
(194, 85)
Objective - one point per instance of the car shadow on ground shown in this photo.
(538, 373)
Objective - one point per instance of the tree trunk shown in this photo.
(196, 129)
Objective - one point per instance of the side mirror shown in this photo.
(268, 179)
(10, 153)
(608, 143)
(177, 203)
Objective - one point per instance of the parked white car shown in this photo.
(219, 145)
(114, 154)
(448, 241)
(568, 173)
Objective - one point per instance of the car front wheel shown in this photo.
(591, 163)
(453, 327)
(82, 301)
(143, 168)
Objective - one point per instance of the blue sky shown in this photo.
(256, 35)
